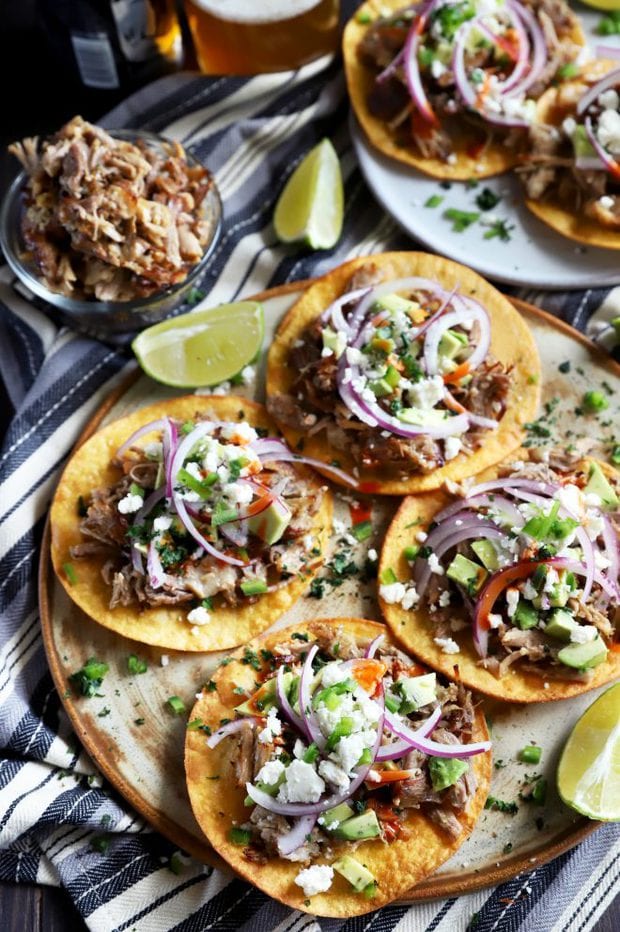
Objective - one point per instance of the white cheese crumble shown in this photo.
(448, 646)
(153, 450)
(434, 565)
(239, 433)
(427, 392)
(583, 634)
(333, 673)
(130, 504)
(452, 447)
(315, 879)
(299, 749)
(302, 784)
(349, 750)
(399, 594)
(334, 775)
(271, 729)
(495, 620)
(373, 556)
(162, 523)
(199, 616)
(270, 772)
(444, 598)
(606, 202)
(164, 660)
(608, 131)
(512, 600)
(248, 374)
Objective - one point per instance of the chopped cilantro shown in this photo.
(138, 721)
(569, 70)
(317, 589)
(195, 295)
(250, 658)
(135, 665)
(434, 200)
(452, 17)
(501, 805)
(425, 58)
(299, 636)
(104, 712)
(609, 25)
(187, 427)
(507, 848)
(82, 508)
(89, 679)
(461, 219)
(614, 455)
(533, 427)
(100, 843)
(500, 228)
(170, 555)
(487, 199)
(564, 366)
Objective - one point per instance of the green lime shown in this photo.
(589, 770)
(201, 348)
(310, 207)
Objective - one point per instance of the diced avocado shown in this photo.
(417, 691)
(271, 523)
(452, 343)
(272, 788)
(598, 484)
(486, 553)
(365, 825)
(380, 388)
(445, 771)
(264, 698)
(392, 376)
(338, 814)
(584, 656)
(467, 573)
(422, 418)
(562, 591)
(560, 624)
(336, 342)
(394, 303)
(525, 615)
(350, 868)
(581, 144)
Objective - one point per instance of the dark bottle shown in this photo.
(112, 47)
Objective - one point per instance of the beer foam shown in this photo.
(256, 11)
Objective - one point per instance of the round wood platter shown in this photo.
(138, 744)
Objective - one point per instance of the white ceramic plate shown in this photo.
(535, 256)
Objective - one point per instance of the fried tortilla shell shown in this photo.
(416, 631)
(217, 802)
(511, 343)
(90, 468)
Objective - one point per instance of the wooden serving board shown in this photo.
(144, 762)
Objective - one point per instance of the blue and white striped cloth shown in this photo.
(251, 132)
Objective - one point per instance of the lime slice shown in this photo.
(589, 771)
(201, 348)
(311, 205)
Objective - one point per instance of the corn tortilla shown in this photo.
(511, 343)
(397, 866)
(165, 626)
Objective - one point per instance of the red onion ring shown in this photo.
(454, 318)
(421, 569)
(372, 647)
(334, 311)
(397, 749)
(497, 503)
(608, 161)
(146, 429)
(412, 65)
(287, 708)
(610, 80)
(305, 700)
(147, 507)
(295, 838)
(230, 729)
(273, 450)
(428, 746)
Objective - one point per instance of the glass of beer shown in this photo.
(255, 36)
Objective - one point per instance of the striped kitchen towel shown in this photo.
(251, 132)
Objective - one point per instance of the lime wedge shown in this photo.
(201, 348)
(589, 771)
(311, 204)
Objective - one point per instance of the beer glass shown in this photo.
(254, 36)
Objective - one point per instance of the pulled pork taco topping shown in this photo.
(337, 743)
(405, 371)
(533, 558)
(208, 509)
(484, 58)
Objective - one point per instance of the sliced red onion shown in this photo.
(236, 532)
(540, 54)
(428, 746)
(589, 163)
(611, 79)
(582, 569)
(149, 503)
(372, 647)
(421, 569)
(508, 486)
(189, 525)
(478, 421)
(497, 503)
(412, 283)
(610, 540)
(398, 749)
(608, 160)
(412, 65)
(277, 450)
(297, 835)
(334, 311)
(607, 51)
(231, 728)
(170, 440)
(305, 700)
(473, 311)
(391, 68)
(287, 708)
(146, 429)
(157, 575)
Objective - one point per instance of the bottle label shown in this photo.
(136, 25)
(95, 59)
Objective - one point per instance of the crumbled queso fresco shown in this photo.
(403, 594)
(315, 879)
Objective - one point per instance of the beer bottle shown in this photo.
(113, 47)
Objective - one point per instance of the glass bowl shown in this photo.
(105, 317)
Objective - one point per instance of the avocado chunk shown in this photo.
(581, 144)
(562, 591)
(350, 868)
(584, 656)
(336, 342)
(338, 814)
(271, 523)
(416, 691)
(264, 698)
(560, 624)
(365, 825)
(380, 388)
(394, 303)
(422, 418)
(486, 553)
(446, 771)
(598, 484)
(451, 344)
(468, 574)
(525, 615)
